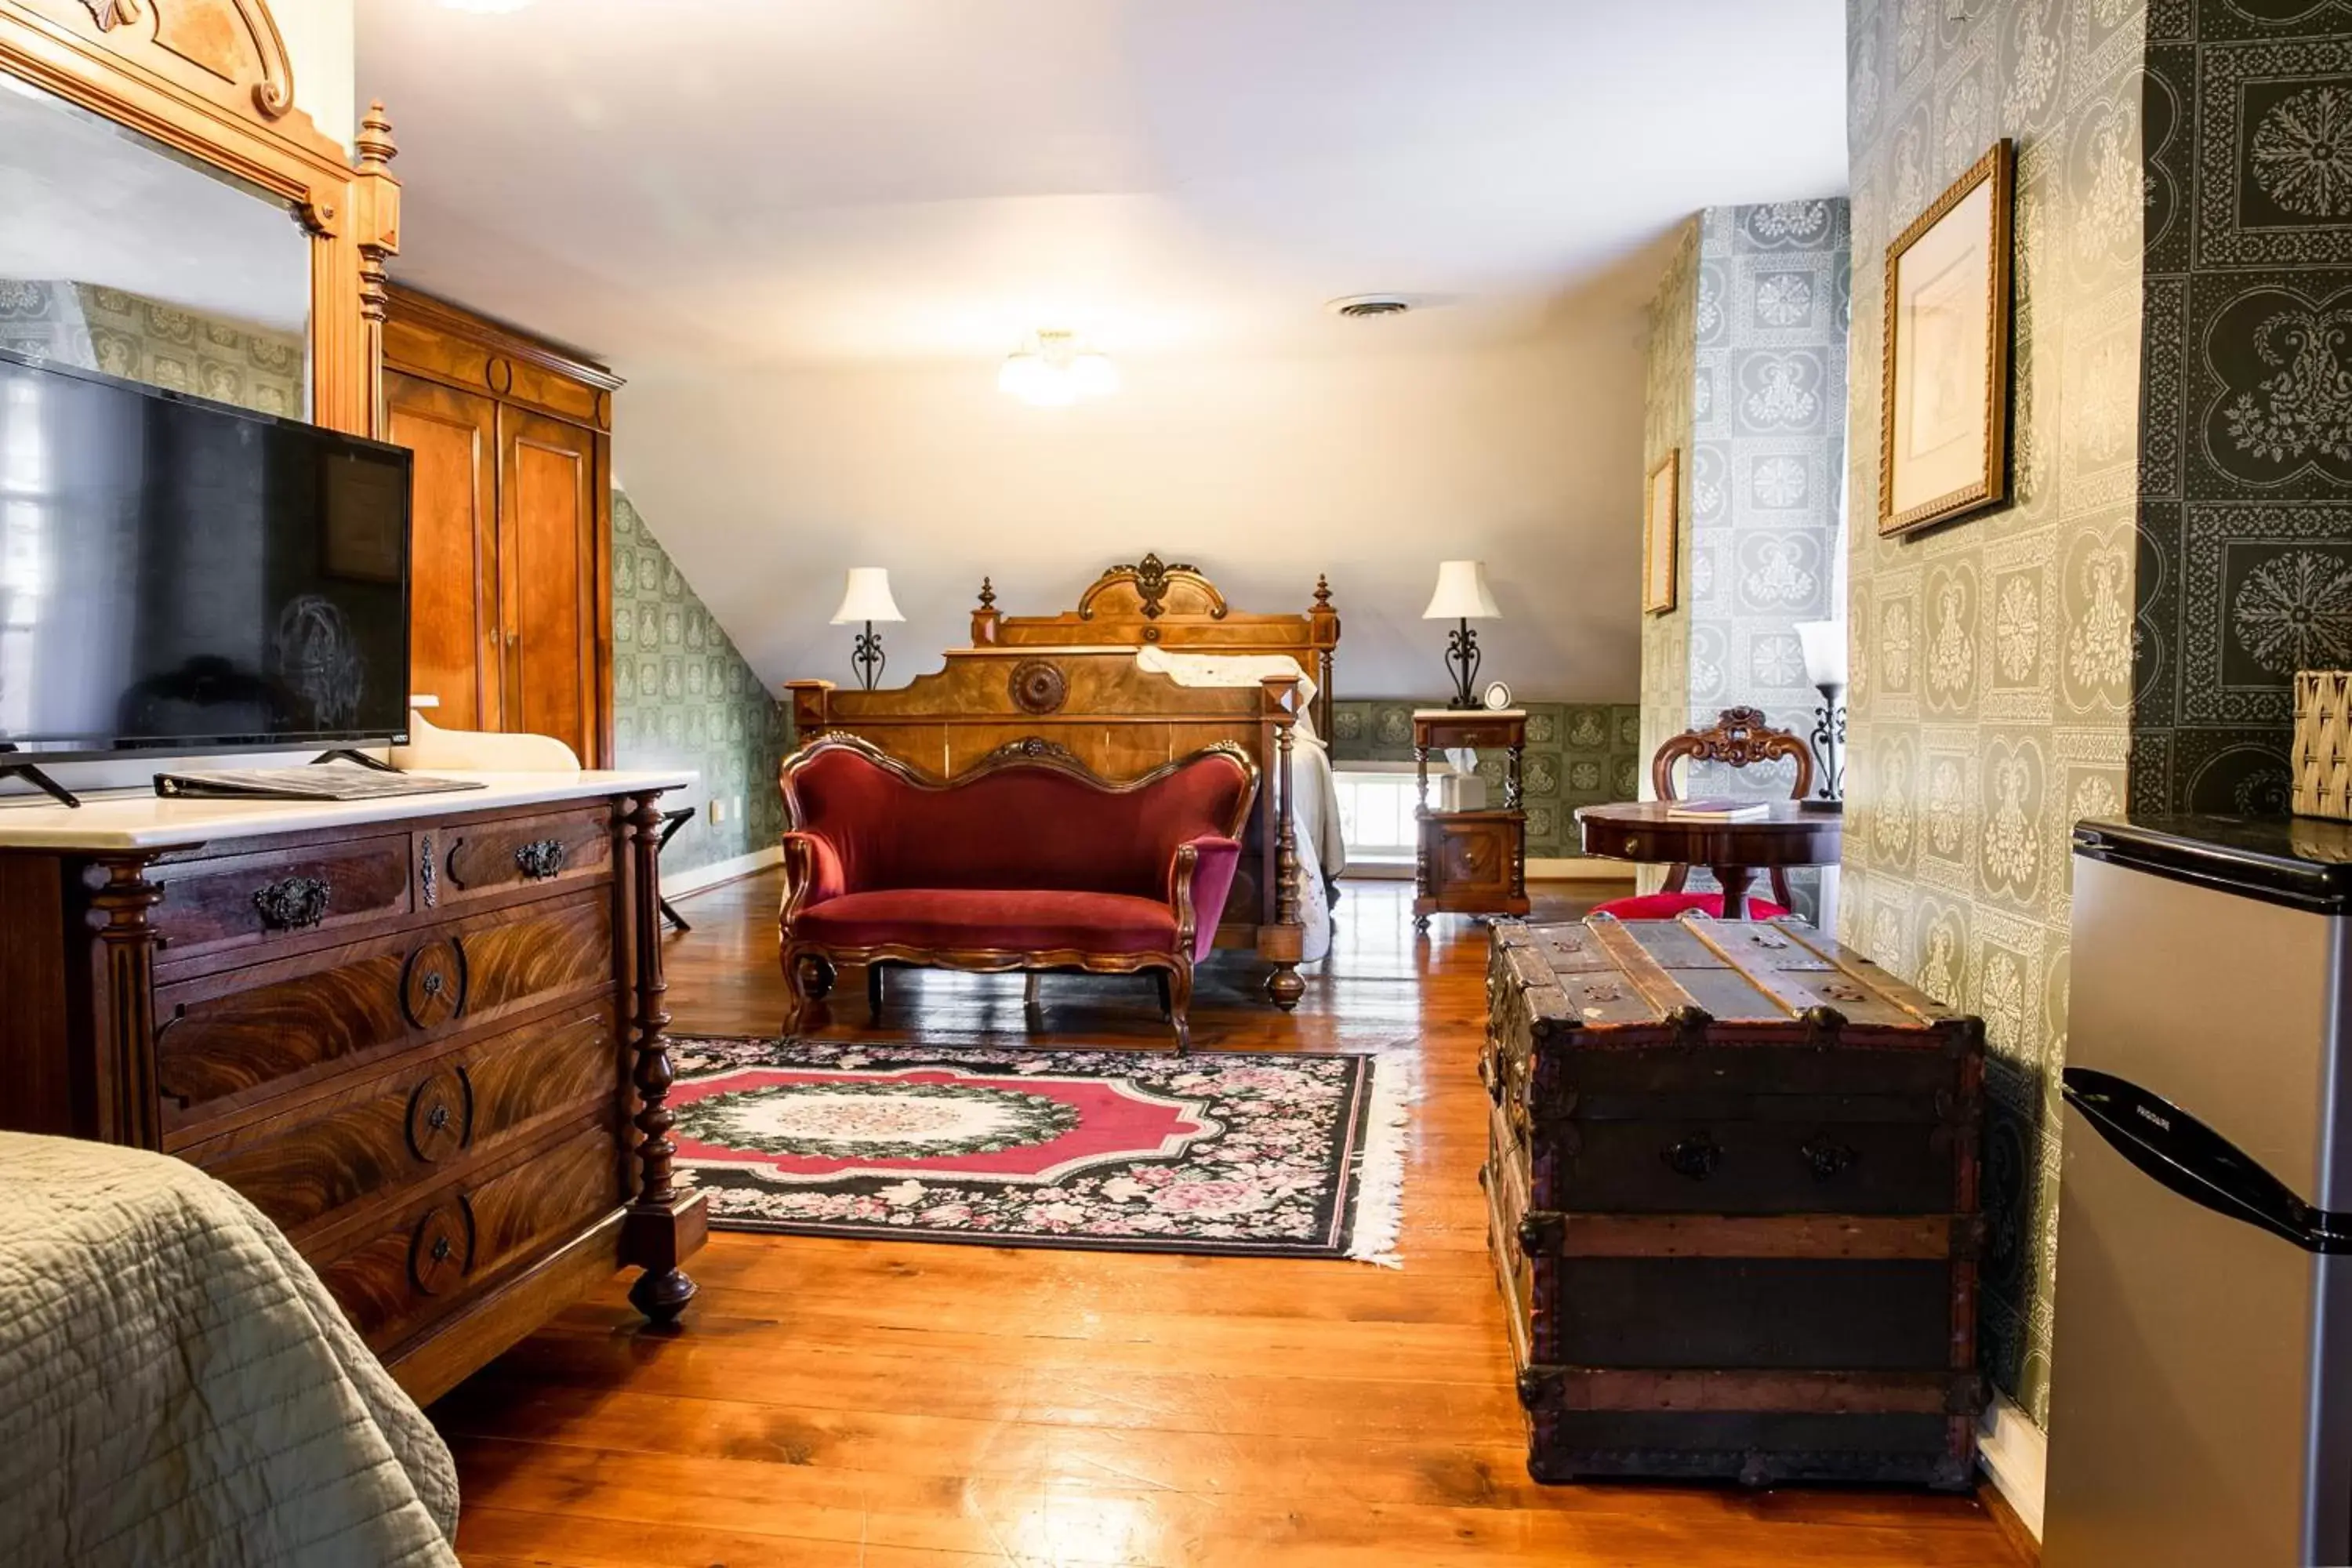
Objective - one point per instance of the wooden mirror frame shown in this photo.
(211, 79)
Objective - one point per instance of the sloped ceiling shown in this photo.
(807, 230)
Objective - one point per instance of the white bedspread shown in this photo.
(1315, 797)
(176, 1387)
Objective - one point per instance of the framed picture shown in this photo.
(1943, 443)
(1658, 532)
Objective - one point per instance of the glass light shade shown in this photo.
(868, 597)
(1462, 594)
(1056, 371)
(1824, 644)
(1094, 376)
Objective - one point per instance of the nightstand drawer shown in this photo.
(1473, 862)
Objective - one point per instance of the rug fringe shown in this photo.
(1380, 1169)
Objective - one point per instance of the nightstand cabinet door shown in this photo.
(1473, 862)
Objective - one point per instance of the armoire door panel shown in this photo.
(453, 547)
(547, 536)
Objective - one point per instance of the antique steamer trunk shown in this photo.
(1731, 1189)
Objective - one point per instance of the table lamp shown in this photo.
(1824, 645)
(867, 599)
(1462, 596)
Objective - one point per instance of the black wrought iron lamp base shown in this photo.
(865, 653)
(1829, 737)
(1461, 660)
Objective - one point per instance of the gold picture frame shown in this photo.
(1943, 412)
(1661, 538)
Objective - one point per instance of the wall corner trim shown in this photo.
(2015, 1454)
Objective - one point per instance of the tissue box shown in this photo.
(2323, 743)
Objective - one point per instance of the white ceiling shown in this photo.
(761, 181)
(86, 200)
(807, 230)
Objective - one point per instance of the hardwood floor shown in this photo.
(913, 1406)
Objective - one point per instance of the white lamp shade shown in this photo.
(867, 598)
(1824, 643)
(1462, 594)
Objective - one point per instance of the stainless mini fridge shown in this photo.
(2201, 1381)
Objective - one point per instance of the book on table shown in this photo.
(1717, 810)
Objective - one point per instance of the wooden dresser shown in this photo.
(424, 1035)
(511, 613)
(1731, 1178)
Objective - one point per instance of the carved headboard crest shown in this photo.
(1151, 578)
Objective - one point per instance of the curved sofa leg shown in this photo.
(808, 979)
(873, 992)
(1177, 988)
(1285, 987)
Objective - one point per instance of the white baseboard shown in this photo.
(678, 884)
(2015, 1454)
(1580, 868)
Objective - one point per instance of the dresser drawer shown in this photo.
(426, 1259)
(474, 860)
(225, 1039)
(306, 1167)
(221, 903)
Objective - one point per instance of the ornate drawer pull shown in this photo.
(1828, 1161)
(442, 1249)
(437, 1118)
(541, 859)
(1696, 1156)
(293, 903)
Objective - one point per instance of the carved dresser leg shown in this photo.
(1284, 987)
(664, 1226)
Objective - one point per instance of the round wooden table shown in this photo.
(1734, 851)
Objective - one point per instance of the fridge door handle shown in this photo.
(2174, 1148)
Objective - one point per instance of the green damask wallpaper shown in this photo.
(682, 696)
(146, 340)
(1576, 754)
(1992, 658)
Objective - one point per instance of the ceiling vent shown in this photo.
(1360, 305)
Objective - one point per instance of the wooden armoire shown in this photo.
(510, 609)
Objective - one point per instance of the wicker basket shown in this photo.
(2323, 743)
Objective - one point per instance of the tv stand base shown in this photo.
(32, 774)
(346, 754)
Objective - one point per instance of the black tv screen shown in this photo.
(180, 574)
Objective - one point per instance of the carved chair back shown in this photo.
(1738, 738)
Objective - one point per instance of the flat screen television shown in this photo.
(181, 576)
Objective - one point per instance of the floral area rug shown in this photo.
(1144, 1151)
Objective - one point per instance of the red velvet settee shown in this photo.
(1025, 860)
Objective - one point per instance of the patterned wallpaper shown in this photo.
(682, 697)
(141, 338)
(1992, 658)
(1576, 754)
(1767, 444)
(1747, 374)
(2245, 509)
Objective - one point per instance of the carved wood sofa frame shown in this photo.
(1738, 738)
(811, 968)
(1072, 680)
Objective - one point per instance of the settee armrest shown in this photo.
(813, 873)
(1197, 885)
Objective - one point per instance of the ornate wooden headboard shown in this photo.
(1170, 605)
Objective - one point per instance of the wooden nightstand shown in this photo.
(1469, 862)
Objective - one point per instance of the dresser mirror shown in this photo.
(170, 213)
(125, 256)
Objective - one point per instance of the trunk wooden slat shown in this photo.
(1731, 1186)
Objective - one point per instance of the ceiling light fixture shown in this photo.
(1055, 370)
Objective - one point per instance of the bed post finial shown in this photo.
(1322, 591)
(1323, 626)
(984, 619)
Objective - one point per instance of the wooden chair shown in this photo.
(1738, 738)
